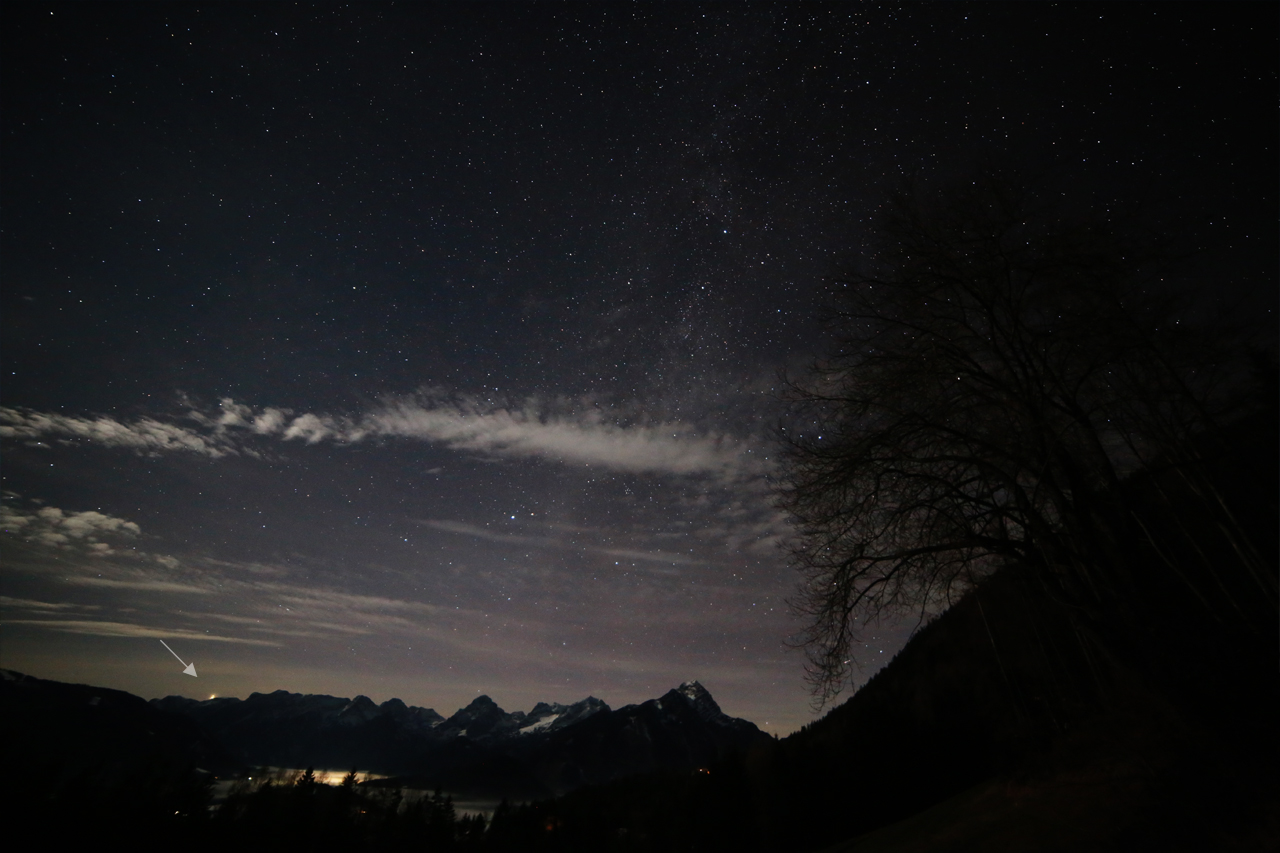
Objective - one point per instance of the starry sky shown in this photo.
(432, 350)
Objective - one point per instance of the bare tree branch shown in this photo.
(1000, 371)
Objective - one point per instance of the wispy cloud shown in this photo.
(145, 434)
(567, 433)
(126, 629)
(570, 432)
(564, 431)
(348, 602)
(143, 585)
(651, 556)
(30, 604)
(478, 532)
(329, 611)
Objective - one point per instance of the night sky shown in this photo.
(433, 350)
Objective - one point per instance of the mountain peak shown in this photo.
(698, 697)
(694, 690)
(359, 710)
(481, 702)
(477, 719)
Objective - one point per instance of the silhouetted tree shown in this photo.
(441, 821)
(471, 831)
(1001, 369)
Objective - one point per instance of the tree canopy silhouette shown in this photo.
(1001, 366)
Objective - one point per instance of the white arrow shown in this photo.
(190, 667)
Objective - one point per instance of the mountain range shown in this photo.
(481, 749)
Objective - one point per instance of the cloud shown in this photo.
(56, 528)
(651, 556)
(333, 611)
(29, 604)
(312, 429)
(474, 530)
(564, 431)
(145, 434)
(226, 617)
(478, 532)
(235, 414)
(144, 585)
(125, 629)
(574, 435)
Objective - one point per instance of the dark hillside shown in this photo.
(89, 761)
(951, 709)
(955, 719)
(1172, 688)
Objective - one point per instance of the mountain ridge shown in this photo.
(481, 748)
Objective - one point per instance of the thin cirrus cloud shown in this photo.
(127, 629)
(141, 585)
(42, 606)
(565, 432)
(477, 532)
